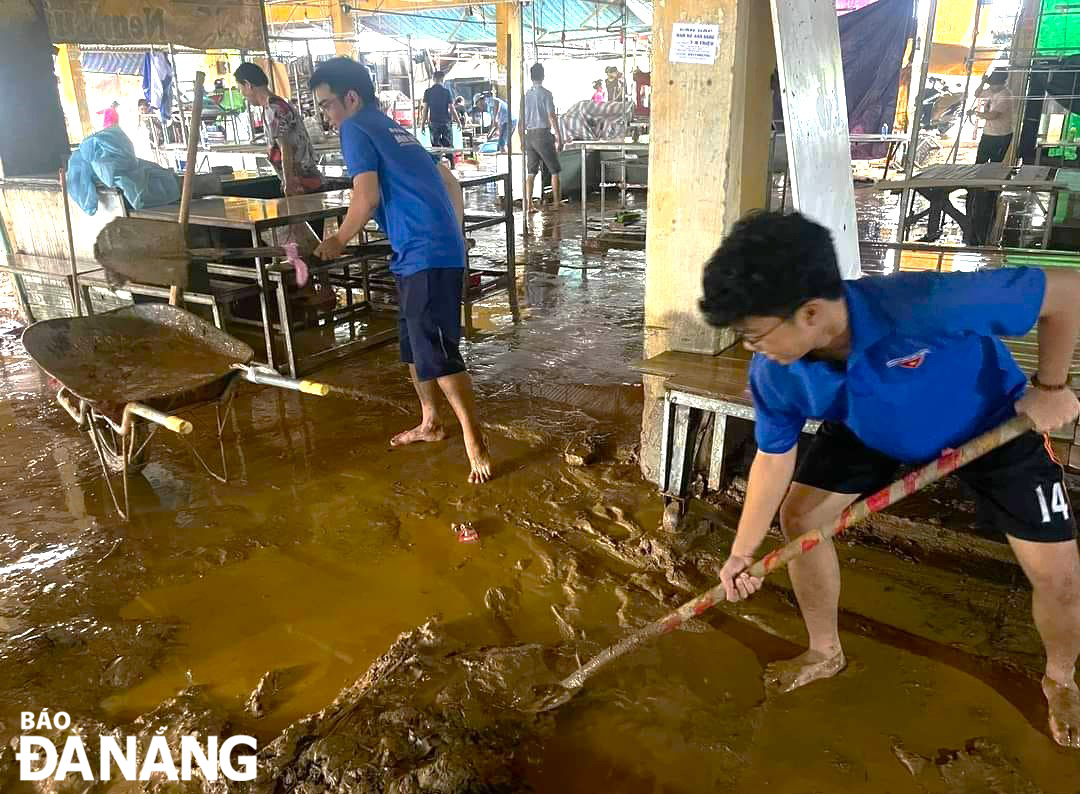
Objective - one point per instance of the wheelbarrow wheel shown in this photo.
(110, 444)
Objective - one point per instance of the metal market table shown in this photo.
(938, 181)
(261, 215)
(603, 146)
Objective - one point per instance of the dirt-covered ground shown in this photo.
(322, 603)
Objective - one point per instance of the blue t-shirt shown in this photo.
(926, 369)
(499, 109)
(414, 208)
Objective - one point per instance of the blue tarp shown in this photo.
(111, 62)
(872, 42)
(109, 157)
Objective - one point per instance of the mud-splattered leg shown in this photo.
(1054, 572)
(816, 579)
(430, 427)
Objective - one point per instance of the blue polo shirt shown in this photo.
(415, 210)
(926, 369)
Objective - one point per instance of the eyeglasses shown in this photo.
(754, 342)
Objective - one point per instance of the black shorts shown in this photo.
(540, 147)
(1019, 487)
(429, 321)
(442, 135)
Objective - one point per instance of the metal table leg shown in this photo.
(584, 192)
(285, 320)
(1048, 225)
(511, 260)
(716, 459)
(264, 303)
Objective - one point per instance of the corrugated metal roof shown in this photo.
(457, 25)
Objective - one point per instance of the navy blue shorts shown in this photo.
(429, 321)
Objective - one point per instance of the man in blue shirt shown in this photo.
(395, 181)
(899, 368)
(500, 120)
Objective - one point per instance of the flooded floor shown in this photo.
(326, 546)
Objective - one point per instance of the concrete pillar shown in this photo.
(69, 66)
(708, 153)
(33, 138)
(508, 21)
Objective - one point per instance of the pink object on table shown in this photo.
(299, 265)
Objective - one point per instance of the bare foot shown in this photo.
(789, 674)
(417, 434)
(479, 461)
(1063, 702)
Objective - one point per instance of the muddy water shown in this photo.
(326, 546)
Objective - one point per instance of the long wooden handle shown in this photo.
(192, 149)
(175, 293)
(890, 495)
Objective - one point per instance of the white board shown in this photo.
(815, 117)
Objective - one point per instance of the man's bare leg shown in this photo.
(556, 186)
(816, 579)
(530, 180)
(1054, 572)
(459, 393)
(430, 427)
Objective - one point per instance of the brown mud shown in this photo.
(298, 603)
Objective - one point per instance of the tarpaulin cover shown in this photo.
(109, 157)
(872, 42)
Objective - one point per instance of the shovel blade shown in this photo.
(143, 251)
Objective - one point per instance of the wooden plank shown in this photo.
(724, 376)
(815, 118)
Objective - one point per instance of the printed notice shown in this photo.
(693, 43)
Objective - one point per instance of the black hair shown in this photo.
(248, 72)
(536, 72)
(997, 77)
(342, 75)
(439, 75)
(768, 266)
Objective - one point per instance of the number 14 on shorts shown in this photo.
(1058, 502)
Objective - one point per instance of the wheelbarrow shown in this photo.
(127, 373)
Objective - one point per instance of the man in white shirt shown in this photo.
(999, 111)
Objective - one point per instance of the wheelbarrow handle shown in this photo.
(78, 413)
(267, 377)
(174, 423)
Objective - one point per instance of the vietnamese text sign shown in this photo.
(694, 43)
(225, 24)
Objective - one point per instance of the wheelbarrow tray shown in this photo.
(150, 353)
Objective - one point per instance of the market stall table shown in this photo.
(585, 147)
(257, 216)
(938, 181)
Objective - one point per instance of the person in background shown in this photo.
(437, 112)
(288, 145)
(110, 116)
(538, 141)
(598, 91)
(395, 181)
(149, 119)
(461, 108)
(615, 88)
(500, 120)
(999, 112)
